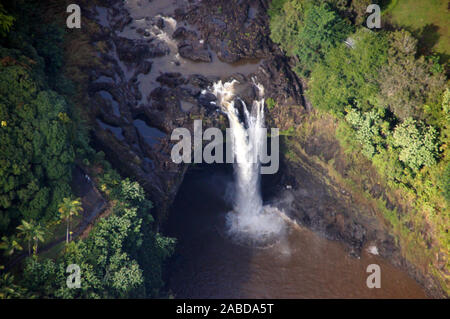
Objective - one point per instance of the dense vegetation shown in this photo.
(121, 258)
(37, 130)
(427, 20)
(41, 139)
(391, 103)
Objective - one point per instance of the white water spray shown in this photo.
(250, 220)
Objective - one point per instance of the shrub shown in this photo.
(446, 182)
(417, 143)
(270, 103)
(367, 130)
(307, 30)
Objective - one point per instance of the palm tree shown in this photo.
(10, 245)
(31, 231)
(38, 235)
(26, 231)
(68, 208)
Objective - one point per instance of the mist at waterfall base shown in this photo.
(210, 263)
(250, 222)
(231, 245)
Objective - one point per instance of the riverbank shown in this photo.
(356, 206)
(300, 263)
(137, 103)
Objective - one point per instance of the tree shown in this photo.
(112, 271)
(276, 8)
(31, 232)
(307, 30)
(121, 258)
(10, 245)
(407, 82)
(367, 126)
(6, 21)
(285, 23)
(349, 76)
(359, 9)
(38, 133)
(38, 236)
(417, 143)
(25, 231)
(36, 156)
(40, 276)
(446, 182)
(9, 289)
(69, 208)
(322, 30)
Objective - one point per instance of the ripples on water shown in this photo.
(212, 262)
(298, 264)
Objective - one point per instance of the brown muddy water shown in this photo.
(301, 264)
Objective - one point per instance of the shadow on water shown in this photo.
(302, 264)
(204, 255)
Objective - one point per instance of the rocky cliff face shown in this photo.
(156, 59)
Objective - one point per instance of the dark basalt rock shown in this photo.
(171, 79)
(135, 51)
(280, 82)
(331, 217)
(206, 100)
(129, 51)
(120, 19)
(182, 34)
(229, 33)
(234, 35)
(160, 23)
(196, 55)
(199, 81)
(143, 68)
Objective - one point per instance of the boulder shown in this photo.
(171, 79)
(196, 55)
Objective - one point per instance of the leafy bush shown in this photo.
(121, 258)
(349, 75)
(6, 21)
(367, 130)
(36, 155)
(446, 183)
(307, 30)
(406, 82)
(270, 103)
(417, 143)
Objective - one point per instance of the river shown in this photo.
(208, 263)
(301, 264)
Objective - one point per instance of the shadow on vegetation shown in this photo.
(428, 36)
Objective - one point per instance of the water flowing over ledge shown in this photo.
(250, 221)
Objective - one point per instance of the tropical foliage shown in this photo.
(122, 257)
(37, 134)
(41, 138)
(390, 103)
(69, 208)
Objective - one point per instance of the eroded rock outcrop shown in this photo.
(155, 66)
(156, 61)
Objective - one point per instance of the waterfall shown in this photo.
(250, 220)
